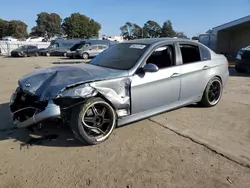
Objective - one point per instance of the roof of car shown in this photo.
(155, 40)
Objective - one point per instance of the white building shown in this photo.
(228, 38)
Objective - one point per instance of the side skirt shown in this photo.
(152, 112)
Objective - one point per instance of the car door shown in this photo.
(31, 50)
(152, 90)
(195, 70)
(94, 50)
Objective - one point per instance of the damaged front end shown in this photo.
(29, 109)
(114, 91)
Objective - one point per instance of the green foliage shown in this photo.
(4, 26)
(131, 30)
(17, 29)
(167, 30)
(79, 25)
(48, 25)
(152, 29)
(180, 35)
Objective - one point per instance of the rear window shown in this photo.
(205, 54)
(122, 56)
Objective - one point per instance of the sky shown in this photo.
(189, 16)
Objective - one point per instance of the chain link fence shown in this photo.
(7, 46)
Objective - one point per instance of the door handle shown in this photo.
(175, 75)
(205, 68)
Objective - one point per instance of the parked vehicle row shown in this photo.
(75, 48)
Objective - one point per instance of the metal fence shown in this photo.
(7, 46)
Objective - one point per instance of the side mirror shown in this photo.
(150, 68)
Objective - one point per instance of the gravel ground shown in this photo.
(188, 147)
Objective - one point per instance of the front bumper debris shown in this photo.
(51, 111)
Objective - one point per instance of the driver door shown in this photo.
(152, 90)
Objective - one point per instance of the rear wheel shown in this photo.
(94, 121)
(47, 54)
(85, 56)
(212, 93)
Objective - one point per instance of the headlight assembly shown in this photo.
(83, 91)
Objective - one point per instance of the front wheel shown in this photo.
(212, 93)
(85, 56)
(94, 121)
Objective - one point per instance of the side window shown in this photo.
(102, 47)
(190, 53)
(205, 54)
(94, 48)
(163, 57)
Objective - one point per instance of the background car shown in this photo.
(24, 51)
(58, 47)
(9, 38)
(34, 39)
(86, 45)
(243, 60)
(88, 51)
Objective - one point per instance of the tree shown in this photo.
(167, 29)
(151, 29)
(180, 35)
(131, 31)
(79, 25)
(17, 29)
(4, 25)
(48, 25)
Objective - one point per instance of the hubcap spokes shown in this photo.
(214, 92)
(97, 119)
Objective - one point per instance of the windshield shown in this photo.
(121, 56)
(23, 47)
(79, 46)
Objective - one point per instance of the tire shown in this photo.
(79, 126)
(207, 96)
(65, 54)
(85, 55)
(47, 54)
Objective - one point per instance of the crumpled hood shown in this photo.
(48, 82)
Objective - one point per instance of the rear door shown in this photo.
(94, 51)
(195, 70)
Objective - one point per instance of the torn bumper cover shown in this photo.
(51, 111)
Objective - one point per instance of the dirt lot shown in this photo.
(190, 147)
